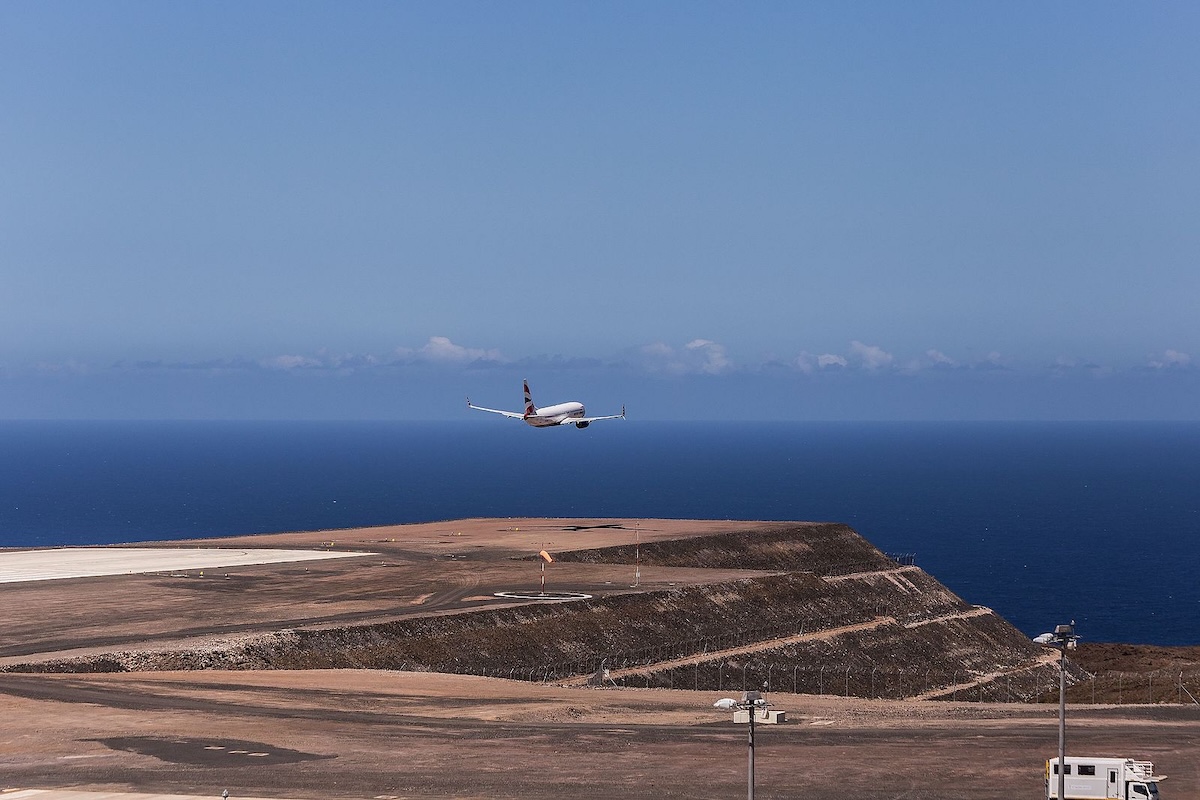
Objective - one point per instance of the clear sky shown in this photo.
(870, 210)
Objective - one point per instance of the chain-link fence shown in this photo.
(1035, 685)
(1120, 688)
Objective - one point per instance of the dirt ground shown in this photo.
(391, 735)
(413, 570)
(364, 734)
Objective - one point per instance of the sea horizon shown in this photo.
(1045, 522)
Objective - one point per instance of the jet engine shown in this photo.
(582, 424)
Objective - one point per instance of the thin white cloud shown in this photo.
(870, 356)
(658, 349)
(809, 363)
(441, 350)
(715, 359)
(343, 362)
(699, 356)
(831, 360)
(438, 350)
(287, 362)
(993, 360)
(940, 359)
(1064, 366)
(1171, 359)
(660, 358)
(805, 362)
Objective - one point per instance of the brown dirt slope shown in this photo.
(880, 624)
(821, 548)
(1107, 657)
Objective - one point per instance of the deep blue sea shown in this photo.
(1044, 522)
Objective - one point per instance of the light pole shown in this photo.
(1063, 639)
(752, 703)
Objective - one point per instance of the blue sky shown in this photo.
(703, 210)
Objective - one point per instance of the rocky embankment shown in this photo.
(829, 614)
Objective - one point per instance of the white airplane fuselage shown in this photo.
(571, 413)
(555, 414)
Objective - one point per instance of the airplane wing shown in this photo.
(512, 414)
(574, 420)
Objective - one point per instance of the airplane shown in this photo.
(560, 414)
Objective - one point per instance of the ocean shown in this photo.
(1044, 522)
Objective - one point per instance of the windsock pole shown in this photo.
(546, 559)
(637, 555)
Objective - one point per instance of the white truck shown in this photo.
(1090, 778)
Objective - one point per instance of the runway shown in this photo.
(87, 562)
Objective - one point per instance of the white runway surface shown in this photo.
(88, 562)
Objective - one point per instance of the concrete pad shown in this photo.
(87, 562)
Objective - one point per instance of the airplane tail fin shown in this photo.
(530, 409)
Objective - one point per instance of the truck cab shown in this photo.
(1143, 791)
